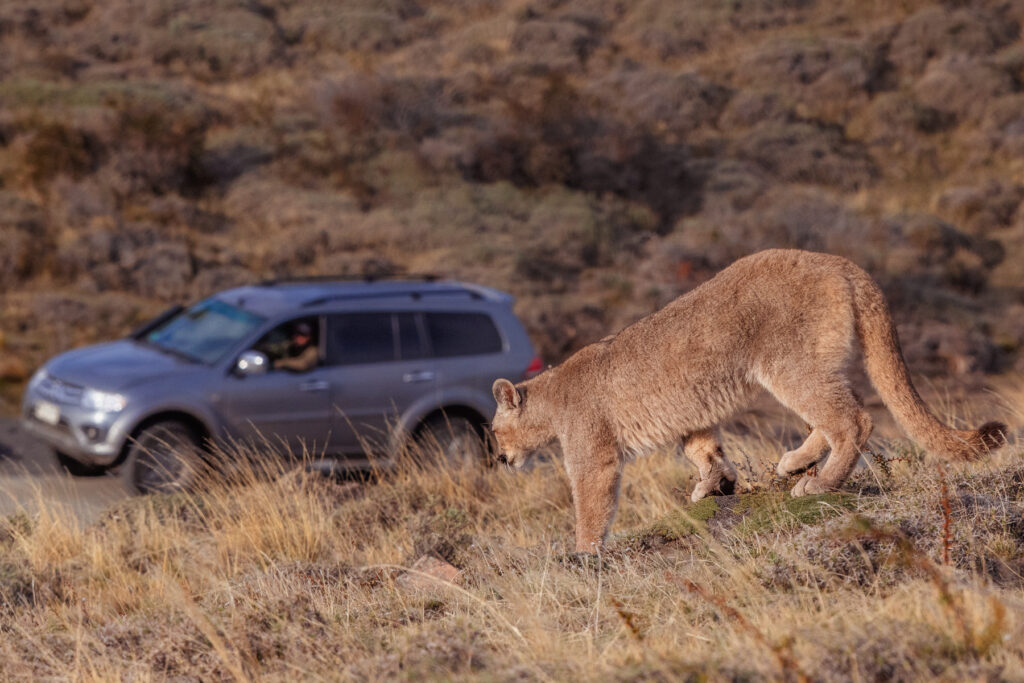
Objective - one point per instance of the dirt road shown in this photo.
(31, 480)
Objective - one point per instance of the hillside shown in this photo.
(596, 158)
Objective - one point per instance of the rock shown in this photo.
(427, 572)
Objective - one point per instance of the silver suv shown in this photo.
(334, 369)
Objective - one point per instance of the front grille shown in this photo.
(59, 391)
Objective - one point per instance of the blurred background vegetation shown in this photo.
(594, 157)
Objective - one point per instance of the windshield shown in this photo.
(205, 332)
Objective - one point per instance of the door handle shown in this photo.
(314, 385)
(421, 376)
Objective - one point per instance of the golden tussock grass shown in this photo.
(911, 572)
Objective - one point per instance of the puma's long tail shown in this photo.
(883, 359)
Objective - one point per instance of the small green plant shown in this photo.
(680, 523)
(766, 510)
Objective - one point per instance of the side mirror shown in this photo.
(252, 363)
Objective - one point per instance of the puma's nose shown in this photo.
(502, 459)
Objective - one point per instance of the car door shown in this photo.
(468, 349)
(378, 367)
(286, 409)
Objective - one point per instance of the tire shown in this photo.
(77, 468)
(164, 457)
(451, 439)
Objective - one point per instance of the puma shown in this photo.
(782, 320)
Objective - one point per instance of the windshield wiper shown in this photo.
(170, 352)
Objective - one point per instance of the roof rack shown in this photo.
(368, 277)
(412, 293)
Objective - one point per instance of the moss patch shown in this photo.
(678, 524)
(766, 510)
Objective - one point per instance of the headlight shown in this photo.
(104, 401)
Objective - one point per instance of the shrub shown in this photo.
(55, 149)
(783, 217)
(674, 104)
(213, 43)
(809, 153)
(962, 87)
(555, 44)
(937, 32)
(25, 238)
(360, 26)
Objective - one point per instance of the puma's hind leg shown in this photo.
(826, 403)
(717, 475)
(799, 460)
(847, 439)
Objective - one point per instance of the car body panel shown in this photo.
(115, 365)
(369, 399)
(282, 409)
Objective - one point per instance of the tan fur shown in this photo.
(784, 320)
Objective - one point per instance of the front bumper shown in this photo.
(92, 437)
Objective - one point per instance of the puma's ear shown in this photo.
(505, 394)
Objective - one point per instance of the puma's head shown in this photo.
(515, 435)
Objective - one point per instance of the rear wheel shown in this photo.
(164, 457)
(77, 468)
(453, 439)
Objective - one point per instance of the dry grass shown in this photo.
(284, 575)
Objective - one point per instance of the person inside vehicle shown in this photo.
(300, 353)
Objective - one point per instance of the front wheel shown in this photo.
(164, 457)
(451, 439)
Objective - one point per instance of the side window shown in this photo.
(462, 334)
(410, 341)
(293, 346)
(354, 338)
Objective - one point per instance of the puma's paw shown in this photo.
(809, 485)
(722, 486)
(793, 462)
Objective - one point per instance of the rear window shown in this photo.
(355, 338)
(462, 334)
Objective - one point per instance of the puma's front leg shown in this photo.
(717, 475)
(594, 474)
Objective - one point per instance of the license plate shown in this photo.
(47, 412)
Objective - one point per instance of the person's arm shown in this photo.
(306, 360)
